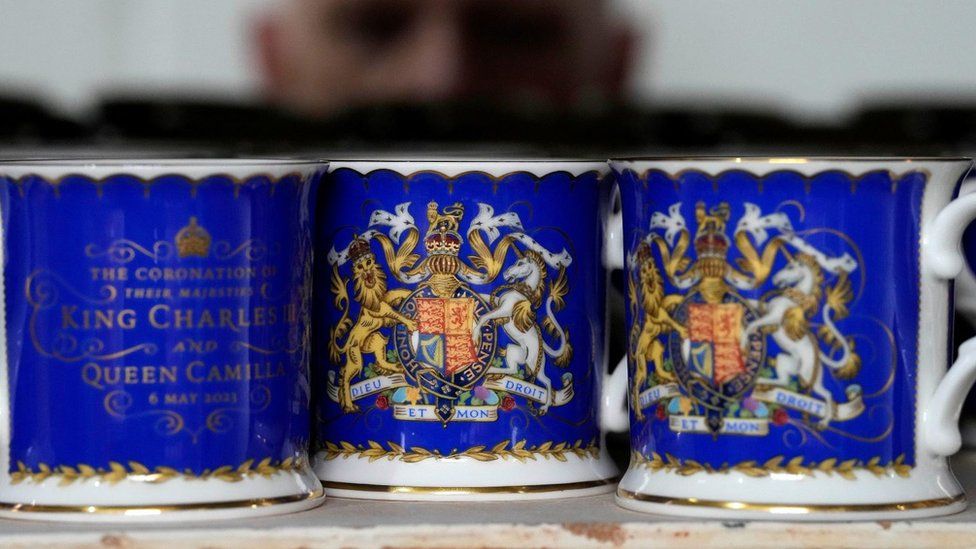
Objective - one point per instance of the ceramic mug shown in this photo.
(155, 338)
(788, 339)
(462, 330)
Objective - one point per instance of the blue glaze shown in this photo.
(436, 386)
(709, 390)
(160, 323)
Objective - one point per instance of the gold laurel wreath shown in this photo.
(414, 454)
(794, 466)
(137, 472)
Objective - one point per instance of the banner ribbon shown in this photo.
(842, 411)
(532, 391)
(730, 426)
(658, 392)
(427, 412)
(365, 388)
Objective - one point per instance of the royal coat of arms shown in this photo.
(450, 343)
(722, 341)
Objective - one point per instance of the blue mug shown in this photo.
(788, 336)
(155, 338)
(460, 317)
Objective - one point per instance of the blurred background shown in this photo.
(594, 76)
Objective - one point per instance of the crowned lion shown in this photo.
(655, 322)
(376, 311)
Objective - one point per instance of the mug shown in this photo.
(788, 336)
(155, 338)
(460, 314)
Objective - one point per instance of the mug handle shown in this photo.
(942, 245)
(615, 417)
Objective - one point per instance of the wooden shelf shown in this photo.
(583, 522)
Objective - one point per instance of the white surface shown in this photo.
(930, 478)
(69, 52)
(807, 58)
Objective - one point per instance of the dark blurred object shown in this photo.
(916, 128)
(182, 120)
(395, 126)
(22, 120)
(886, 129)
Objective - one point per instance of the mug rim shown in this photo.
(142, 163)
(789, 159)
(467, 160)
(493, 167)
(237, 168)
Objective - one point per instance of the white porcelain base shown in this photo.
(234, 510)
(464, 479)
(174, 500)
(406, 493)
(704, 510)
(735, 496)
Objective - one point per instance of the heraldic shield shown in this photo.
(441, 354)
(710, 364)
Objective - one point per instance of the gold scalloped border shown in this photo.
(494, 178)
(295, 177)
(676, 176)
(408, 178)
(136, 472)
(519, 451)
(775, 465)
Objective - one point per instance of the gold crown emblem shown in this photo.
(193, 240)
(358, 249)
(711, 241)
(443, 237)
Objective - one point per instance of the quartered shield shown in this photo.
(711, 364)
(441, 355)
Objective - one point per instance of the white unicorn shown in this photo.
(788, 314)
(514, 305)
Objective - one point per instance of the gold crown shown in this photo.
(443, 236)
(710, 240)
(193, 240)
(358, 249)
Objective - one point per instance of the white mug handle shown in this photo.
(614, 414)
(942, 249)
